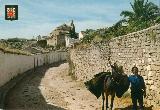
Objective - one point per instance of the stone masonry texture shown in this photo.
(140, 48)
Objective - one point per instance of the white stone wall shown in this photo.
(52, 41)
(80, 36)
(12, 64)
(70, 41)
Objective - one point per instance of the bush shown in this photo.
(42, 43)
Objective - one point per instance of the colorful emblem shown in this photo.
(11, 12)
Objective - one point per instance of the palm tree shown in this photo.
(143, 15)
(158, 20)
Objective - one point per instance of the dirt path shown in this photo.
(52, 88)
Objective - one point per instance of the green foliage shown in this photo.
(158, 19)
(24, 46)
(14, 43)
(42, 43)
(88, 38)
(13, 51)
(144, 15)
(16, 40)
(72, 32)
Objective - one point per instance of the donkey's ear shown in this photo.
(120, 69)
(86, 82)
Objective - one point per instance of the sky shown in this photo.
(40, 17)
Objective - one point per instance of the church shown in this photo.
(58, 36)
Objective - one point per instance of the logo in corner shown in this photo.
(11, 12)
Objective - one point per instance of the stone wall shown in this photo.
(89, 61)
(12, 64)
(140, 48)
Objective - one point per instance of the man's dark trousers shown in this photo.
(137, 96)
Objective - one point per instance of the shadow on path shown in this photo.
(27, 95)
(130, 108)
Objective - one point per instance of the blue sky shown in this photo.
(40, 17)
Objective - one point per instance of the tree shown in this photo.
(42, 43)
(143, 15)
(158, 20)
(72, 31)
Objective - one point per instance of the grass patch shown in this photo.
(126, 95)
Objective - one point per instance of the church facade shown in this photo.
(58, 36)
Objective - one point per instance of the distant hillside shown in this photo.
(26, 46)
(22, 46)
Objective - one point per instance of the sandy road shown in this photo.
(52, 88)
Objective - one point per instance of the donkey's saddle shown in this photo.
(96, 84)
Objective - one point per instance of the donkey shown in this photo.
(115, 84)
(108, 83)
(114, 87)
